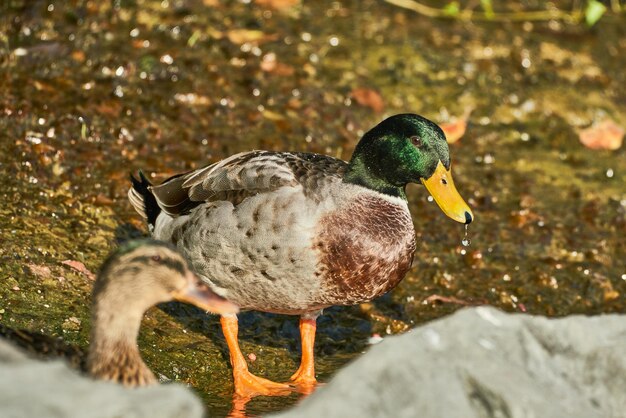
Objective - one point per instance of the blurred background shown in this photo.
(530, 93)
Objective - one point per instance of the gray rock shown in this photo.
(35, 389)
(481, 362)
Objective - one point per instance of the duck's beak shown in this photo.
(441, 187)
(199, 294)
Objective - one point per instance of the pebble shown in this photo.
(374, 339)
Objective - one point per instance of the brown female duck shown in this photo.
(138, 276)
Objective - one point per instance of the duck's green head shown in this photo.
(406, 149)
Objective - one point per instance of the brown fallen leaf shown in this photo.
(277, 4)
(79, 267)
(271, 65)
(102, 200)
(109, 107)
(275, 116)
(448, 299)
(242, 36)
(456, 129)
(139, 43)
(39, 271)
(78, 56)
(368, 98)
(42, 86)
(604, 135)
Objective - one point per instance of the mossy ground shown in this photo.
(94, 90)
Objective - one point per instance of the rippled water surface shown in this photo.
(92, 90)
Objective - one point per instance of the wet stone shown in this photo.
(93, 92)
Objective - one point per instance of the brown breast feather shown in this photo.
(365, 250)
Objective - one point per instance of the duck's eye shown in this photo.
(416, 140)
(156, 258)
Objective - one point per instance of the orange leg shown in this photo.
(305, 375)
(247, 384)
(238, 409)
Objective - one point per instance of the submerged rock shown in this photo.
(481, 362)
(32, 388)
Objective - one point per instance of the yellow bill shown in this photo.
(441, 187)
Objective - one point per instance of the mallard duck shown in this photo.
(294, 233)
(139, 275)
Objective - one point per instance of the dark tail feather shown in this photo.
(142, 198)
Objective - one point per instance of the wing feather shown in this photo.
(233, 179)
(243, 175)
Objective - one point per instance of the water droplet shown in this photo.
(466, 241)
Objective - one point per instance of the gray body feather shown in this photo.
(272, 231)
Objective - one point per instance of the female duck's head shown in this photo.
(138, 276)
(406, 149)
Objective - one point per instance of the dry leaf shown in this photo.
(109, 108)
(139, 43)
(43, 86)
(277, 4)
(456, 129)
(79, 267)
(102, 200)
(604, 135)
(78, 56)
(445, 299)
(39, 271)
(242, 36)
(274, 116)
(368, 98)
(271, 65)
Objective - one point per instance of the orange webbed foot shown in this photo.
(248, 385)
(304, 380)
(303, 376)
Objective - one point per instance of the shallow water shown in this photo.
(92, 90)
